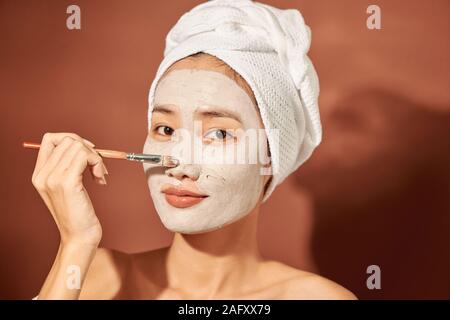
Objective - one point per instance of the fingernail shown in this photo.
(102, 180)
(89, 143)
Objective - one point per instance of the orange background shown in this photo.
(376, 191)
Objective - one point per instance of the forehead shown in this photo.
(197, 86)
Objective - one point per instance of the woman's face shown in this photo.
(211, 125)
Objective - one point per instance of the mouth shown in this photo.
(182, 198)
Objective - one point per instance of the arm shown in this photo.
(68, 272)
(61, 161)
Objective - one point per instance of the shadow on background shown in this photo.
(381, 186)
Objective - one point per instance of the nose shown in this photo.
(183, 171)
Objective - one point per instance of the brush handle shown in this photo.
(165, 161)
(103, 152)
(31, 145)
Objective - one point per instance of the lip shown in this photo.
(182, 198)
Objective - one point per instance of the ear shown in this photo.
(268, 180)
(268, 168)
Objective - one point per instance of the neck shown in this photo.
(216, 262)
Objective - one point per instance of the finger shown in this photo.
(83, 159)
(91, 169)
(55, 157)
(49, 142)
(75, 148)
(66, 160)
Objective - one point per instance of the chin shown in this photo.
(187, 227)
(181, 222)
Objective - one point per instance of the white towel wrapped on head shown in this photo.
(268, 47)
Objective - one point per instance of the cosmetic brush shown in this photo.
(158, 160)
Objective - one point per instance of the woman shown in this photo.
(217, 85)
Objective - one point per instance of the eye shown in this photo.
(164, 130)
(218, 135)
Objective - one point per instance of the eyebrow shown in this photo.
(220, 114)
(163, 108)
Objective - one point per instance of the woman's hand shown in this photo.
(58, 177)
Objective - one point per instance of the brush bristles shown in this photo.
(170, 162)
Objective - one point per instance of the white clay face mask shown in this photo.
(230, 191)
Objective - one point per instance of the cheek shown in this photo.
(154, 175)
(241, 174)
(240, 184)
(154, 186)
(155, 147)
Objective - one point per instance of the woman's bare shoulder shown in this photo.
(303, 285)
